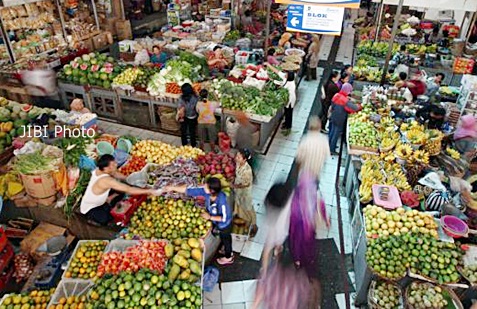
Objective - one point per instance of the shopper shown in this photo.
(271, 57)
(218, 211)
(158, 56)
(340, 108)
(465, 136)
(206, 120)
(348, 69)
(330, 89)
(288, 82)
(402, 82)
(313, 57)
(433, 84)
(344, 79)
(313, 150)
(105, 190)
(400, 61)
(187, 115)
(432, 116)
(243, 190)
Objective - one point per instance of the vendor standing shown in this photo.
(104, 191)
(433, 84)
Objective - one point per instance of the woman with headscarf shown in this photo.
(465, 136)
(340, 108)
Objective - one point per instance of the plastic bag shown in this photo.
(142, 57)
(211, 278)
(432, 180)
(29, 147)
(87, 163)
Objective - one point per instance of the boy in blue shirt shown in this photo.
(218, 211)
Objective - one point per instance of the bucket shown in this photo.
(120, 156)
(104, 147)
(124, 145)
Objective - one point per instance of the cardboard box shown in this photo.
(39, 235)
(109, 24)
(100, 41)
(88, 44)
(123, 30)
(39, 186)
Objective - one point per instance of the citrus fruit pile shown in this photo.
(168, 219)
(35, 299)
(86, 259)
(72, 302)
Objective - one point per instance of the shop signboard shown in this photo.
(353, 4)
(315, 19)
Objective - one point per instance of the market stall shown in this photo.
(396, 171)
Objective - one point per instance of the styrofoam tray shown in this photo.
(74, 254)
(70, 287)
(120, 245)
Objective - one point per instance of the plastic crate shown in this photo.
(70, 287)
(124, 210)
(6, 256)
(74, 253)
(242, 57)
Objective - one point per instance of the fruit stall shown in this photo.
(54, 170)
(411, 204)
(147, 96)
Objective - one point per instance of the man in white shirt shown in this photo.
(104, 191)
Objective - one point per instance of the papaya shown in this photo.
(173, 273)
(184, 253)
(196, 254)
(169, 250)
(181, 261)
(195, 268)
(193, 278)
(193, 243)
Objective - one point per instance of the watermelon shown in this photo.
(104, 76)
(93, 61)
(83, 81)
(96, 75)
(106, 84)
(26, 108)
(110, 59)
(94, 68)
(86, 58)
(74, 65)
(84, 67)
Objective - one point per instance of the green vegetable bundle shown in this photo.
(73, 148)
(34, 163)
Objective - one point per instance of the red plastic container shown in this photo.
(224, 142)
(125, 209)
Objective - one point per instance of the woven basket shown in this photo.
(372, 304)
(436, 146)
(454, 297)
(168, 120)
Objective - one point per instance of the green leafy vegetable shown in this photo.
(33, 163)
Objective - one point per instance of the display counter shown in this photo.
(138, 109)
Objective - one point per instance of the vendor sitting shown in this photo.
(216, 59)
(77, 105)
(104, 191)
(433, 84)
(158, 56)
(271, 57)
(465, 136)
(432, 116)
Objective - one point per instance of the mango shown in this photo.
(184, 253)
(174, 272)
(196, 254)
(181, 261)
(193, 243)
(169, 250)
